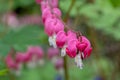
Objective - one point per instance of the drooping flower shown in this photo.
(84, 46)
(71, 35)
(52, 27)
(20, 57)
(71, 49)
(84, 50)
(35, 51)
(12, 65)
(47, 12)
(44, 5)
(10, 62)
(36, 54)
(54, 3)
(61, 39)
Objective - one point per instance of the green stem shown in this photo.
(66, 69)
(69, 10)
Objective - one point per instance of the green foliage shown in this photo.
(40, 73)
(85, 74)
(21, 38)
(3, 72)
(101, 15)
(6, 5)
(115, 3)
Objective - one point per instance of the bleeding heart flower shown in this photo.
(13, 66)
(84, 50)
(35, 51)
(61, 38)
(71, 35)
(52, 27)
(10, 62)
(47, 12)
(44, 5)
(71, 49)
(54, 3)
(68, 42)
(36, 54)
(84, 46)
(81, 46)
(20, 57)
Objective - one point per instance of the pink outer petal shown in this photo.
(71, 49)
(53, 25)
(10, 63)
(44, 5)
(35, 51)
(71, 35)
(87, 51)
(49, 25)
(81, 46)
(28, 57)
(47, 12)
(58, 26)
(54, 3)
(20, 57)
(61, 39)
(57, 12)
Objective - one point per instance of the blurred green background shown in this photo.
(99, 20)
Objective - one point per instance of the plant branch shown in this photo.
(69, 10)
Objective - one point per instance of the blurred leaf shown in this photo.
(3, 72)
(101, 15)
(115, 3)
(6, 5)
(4, 49)
(20, 39)
(40, 73)
(30, 35)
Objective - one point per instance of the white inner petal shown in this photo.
(52, 40)
(63, 51)
(78, 61)
(82, 54)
